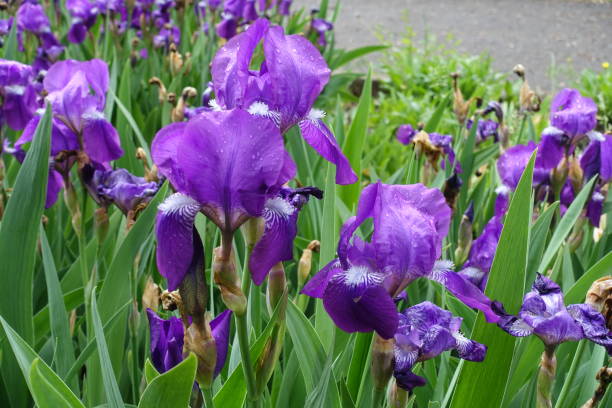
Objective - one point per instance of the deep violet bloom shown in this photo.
(476, 268)
(573, 113)
(284, 88)
(167, 340)
(122, 188)
(276, 244)
(486, 128)
(424, 332)
(544, 315)
(551, 148)
(234, 162)
(597, 159)
(31, 17)
(512, 163)
(410, 222)
(594, 205)
(405, 134)
(284, 6)
(17, 94)
(84, 14)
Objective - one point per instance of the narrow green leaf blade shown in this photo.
(171, 389)
(48, 390)
(18, 236)
(483, 384)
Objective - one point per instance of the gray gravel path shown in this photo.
(540, 34)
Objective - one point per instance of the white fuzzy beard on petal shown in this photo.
(315, 114)
(360, 275)
(503, 190)
(440, 269)
(463, 343)
(278, 208)
(214, 105)
(15, 89)
(262, 109)
(182, 205)
(595, 136)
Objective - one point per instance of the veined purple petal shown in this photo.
(558, 328)
(174, 232)
(551, 148)
(230, 176)
(512, 163)
(297, 71)
(95, 71)
(166, 341)
(319, 137)
(100, 139)
(597, 159)
(315, 287)
(465, 291)
(357, 304)
(124, 189)
(573, 113)
(593, 324)
(220, 327)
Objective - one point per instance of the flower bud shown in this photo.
(599, 296)
(575, 174)
(269, 357)
(559, 175)
(101, 224)
(178, 112)
(193, 289)
(575, 238)
(176, 60)
(464, 242)
(277, 289)
(398, 397)
(226, 277)
(451, 190)
(72, 203)
(382, 361)
(199, 340)
(253, 229)
(305, 263)
(460, 105)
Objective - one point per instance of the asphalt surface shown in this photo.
(546, 36)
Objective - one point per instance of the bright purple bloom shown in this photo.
(486, 128)
(274, 92)
(512, 163)
(405, 134)
(424, 332)
(31, 17)
(482, 252)
(167, 340)
(167, 36)
(573, 113)
(84, 14)
(321, 27)
(276, 244)
(226, 164)
(544, 315)
(597, 159)
(410, 222)
(17, 94)
(551, 148)
(284, 6)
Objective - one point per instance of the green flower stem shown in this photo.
(570, 375)
(247, 366)
(208, 397)
(546, 378)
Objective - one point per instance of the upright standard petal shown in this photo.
(551, 148)
(597, 159)
(573, 113)
(228, 161)
(174, 232)
(95, 71)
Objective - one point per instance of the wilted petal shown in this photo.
(220, 327)
(593, 324)
(573, 113)
(319, 137)
(174, 232)
(124, 189)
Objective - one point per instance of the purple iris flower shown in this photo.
(597, 158)
(249, 13)
(233, 164)
(573, 113)
(274, 92)
(122, 188)
(321, 27)
(405, 134)
(17, 94)
(486, 128)
(445, 142)
(544, 314)
(594, 206)
(512, 163)
(482, 252)
(84, 14)
(77, 92)
(167, 36)
(31, 17)
(424, 332)
(410, 223)
(276, 244)
(167, 340)
(284, 6)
